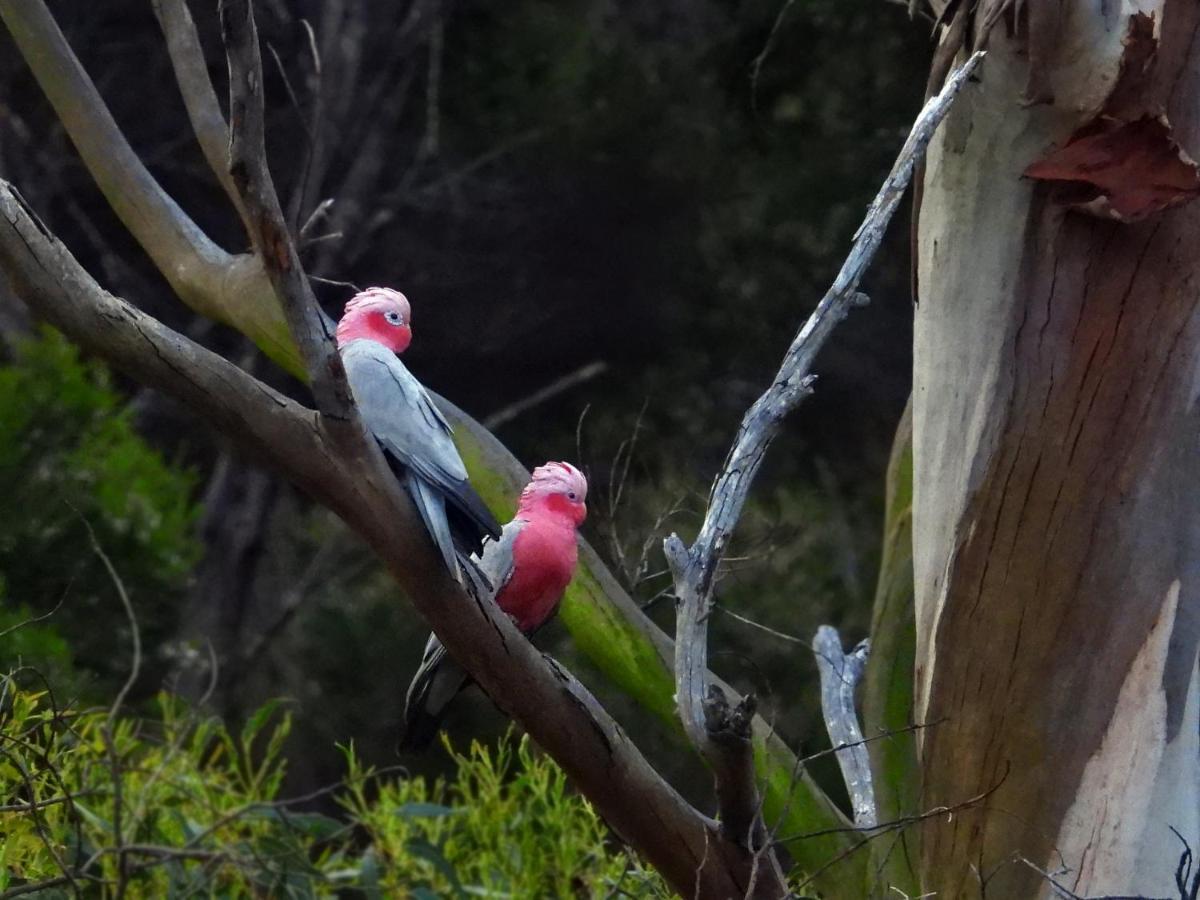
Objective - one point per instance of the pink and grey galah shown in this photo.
(529, 568)
(374, 329)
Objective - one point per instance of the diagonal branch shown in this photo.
(268, 228)
(694, 569)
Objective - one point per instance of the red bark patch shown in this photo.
(1121, 170)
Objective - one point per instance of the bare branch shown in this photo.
(553, 389)
(199, 97)
(268, 229)
(840, 673)
(694, 569)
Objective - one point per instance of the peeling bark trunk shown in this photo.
(1056, 467)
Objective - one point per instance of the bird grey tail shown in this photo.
(438, 681)
(432, 507)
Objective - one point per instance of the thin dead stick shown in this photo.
(840, 673)
(549, 392)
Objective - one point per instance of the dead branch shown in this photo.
(558, 386)
(694, 569)
(840, 673)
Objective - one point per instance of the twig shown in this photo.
(35, 619)
(840, 673)
(110, 745)
(506, 414)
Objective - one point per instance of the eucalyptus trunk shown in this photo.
(1056, 506)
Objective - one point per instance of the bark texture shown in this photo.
(1057, 479)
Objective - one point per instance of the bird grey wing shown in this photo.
(416, 434)
(405, 421)
(496, 560)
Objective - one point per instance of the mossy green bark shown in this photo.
(888, 685)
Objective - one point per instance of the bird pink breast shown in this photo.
(544, 556)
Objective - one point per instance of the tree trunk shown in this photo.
(1057, 484)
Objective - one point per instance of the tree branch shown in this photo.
(840, 673)
(557, 711)
(269, 234)
(199, 97)
(694, 569)
(180, 250)
(227, 288)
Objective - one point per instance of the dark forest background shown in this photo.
(647, 197)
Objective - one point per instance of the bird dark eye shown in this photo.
(393, 317)
(571, 495)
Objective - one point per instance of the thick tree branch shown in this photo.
(268, 228)
(840, 673)
(199, 97)
(694, 569)
(689, 849)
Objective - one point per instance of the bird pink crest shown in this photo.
(377, 314)
(557, 488)
(558, 478)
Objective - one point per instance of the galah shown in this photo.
(529, 568)
(374, 329)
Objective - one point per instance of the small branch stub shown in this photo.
(840, 673)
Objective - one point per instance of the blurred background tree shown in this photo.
(663, 189)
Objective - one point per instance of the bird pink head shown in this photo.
(556, 487)
(377, 314)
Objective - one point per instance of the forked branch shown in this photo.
(268, 229)
(694, 569)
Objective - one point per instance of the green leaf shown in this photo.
(425, 811)
(432, 854)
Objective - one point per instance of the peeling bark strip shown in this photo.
(1057, 475)
(1124, 164)
(1123, 171)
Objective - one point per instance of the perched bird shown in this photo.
(529, 567)
(375, 327)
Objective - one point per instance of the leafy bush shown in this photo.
(69, 458)
(180, 806)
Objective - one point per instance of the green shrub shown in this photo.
(196, 809)
(69, 458)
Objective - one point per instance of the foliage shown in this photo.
(195, 808)
(69, 458)
(507, 825)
